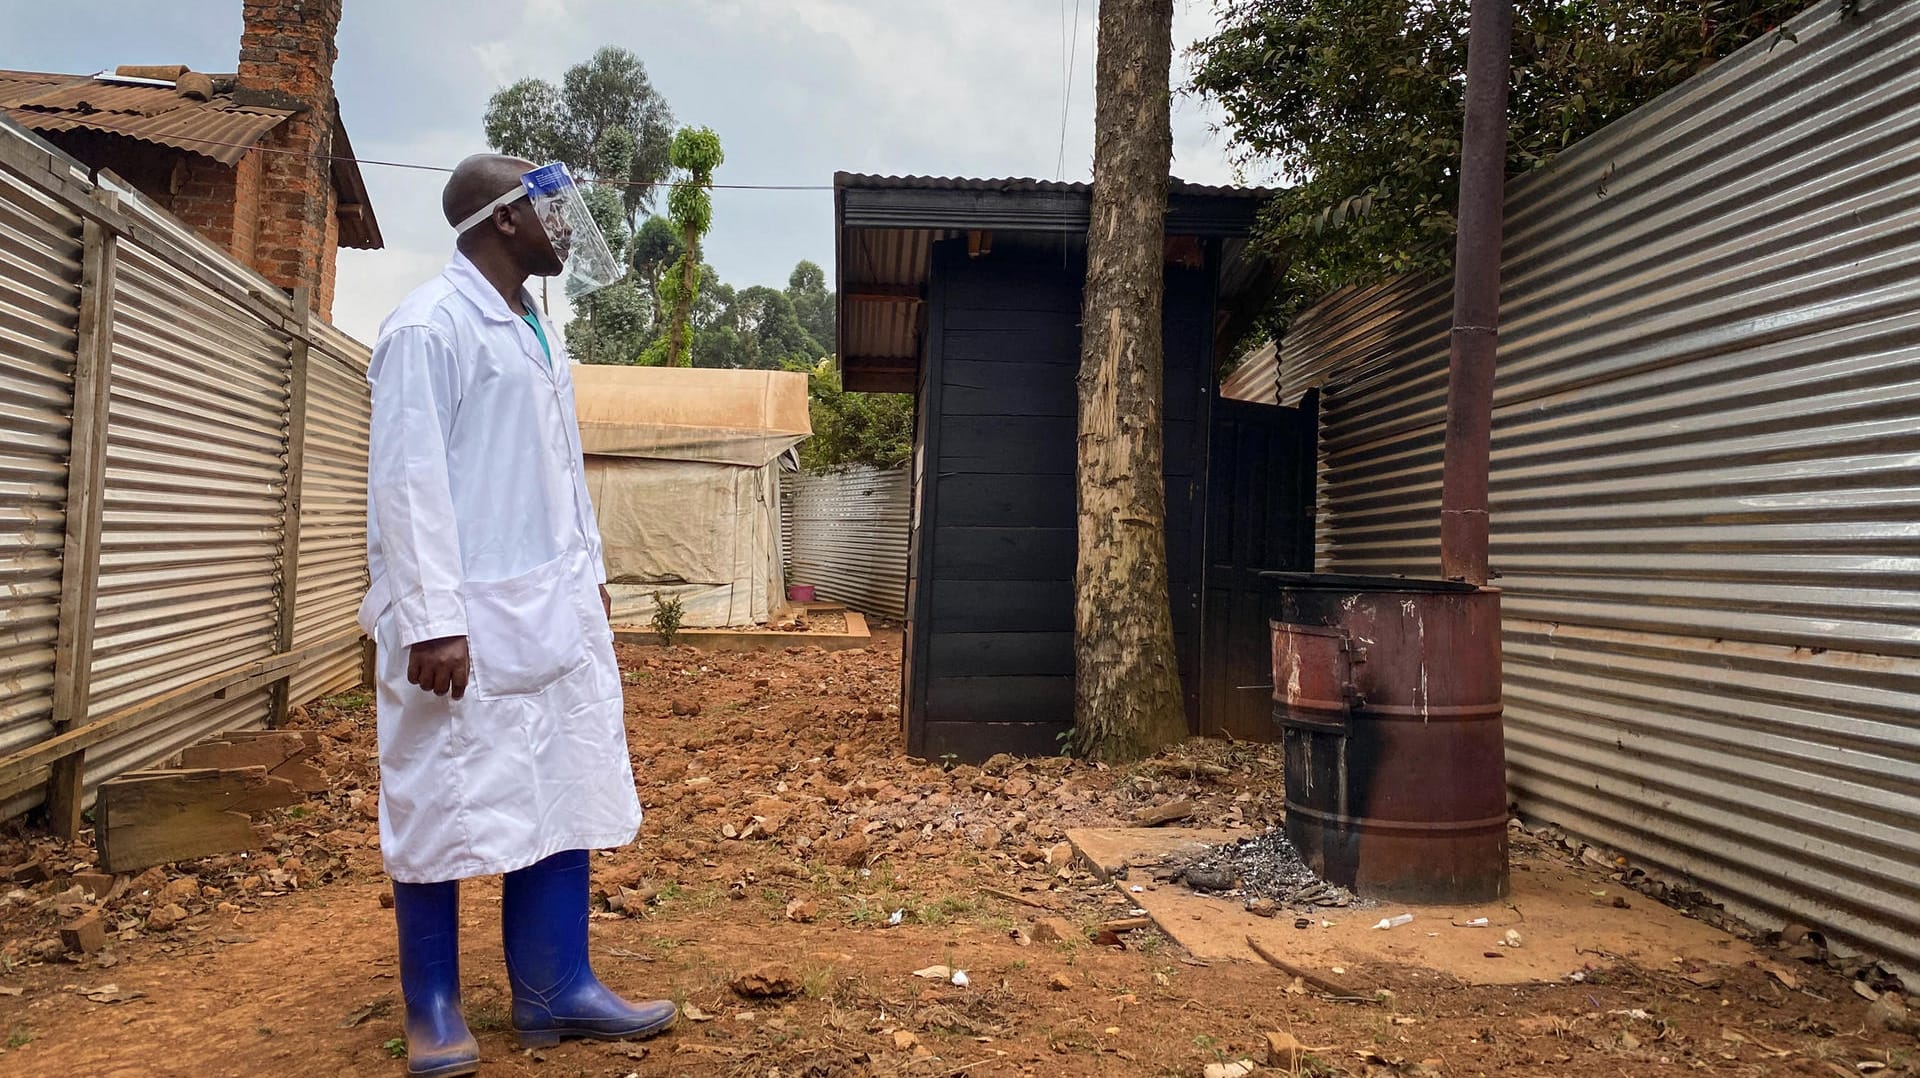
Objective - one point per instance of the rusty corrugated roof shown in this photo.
(154, 111)
(148, 111)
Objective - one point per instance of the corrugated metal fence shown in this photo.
(177, 442)
(846, 534)
(1706, 476)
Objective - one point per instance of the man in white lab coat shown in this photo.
(502, 740)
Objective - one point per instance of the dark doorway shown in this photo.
(1260, 499)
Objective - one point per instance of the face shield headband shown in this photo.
(587, 263)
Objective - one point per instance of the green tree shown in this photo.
(1359, 103)
(604, 121)
(812, 303)
(696, 153)
(653, 248)
(849, 429)
(614, 325)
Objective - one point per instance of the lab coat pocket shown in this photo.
(525, 633)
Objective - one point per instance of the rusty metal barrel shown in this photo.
(1387, 693)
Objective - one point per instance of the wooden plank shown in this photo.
(153, 817)
(993, 501)
(289, 582)
(86, 494)
(973, 742)
(1007, 445)
(21, 769)
(1000, 699)
(1002, 654)
(1004, 553)
(269, 752)
(996, 606)
(977, 387)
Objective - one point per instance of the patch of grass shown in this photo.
(19, 1037)
(396, 1048)
(669, 944)
(264, 1031)
(297, 812)
(817, 982)
(491, 1018)
(350, 701)
(945, 910)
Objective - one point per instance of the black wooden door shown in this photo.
(1260, 473)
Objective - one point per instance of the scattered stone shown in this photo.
(84, 934)
(850, 852)
(1056, 930)
(97, 884)
(1061, 855)
(685, 709)
(1889, 1012)
(773, 981)
(1061, 983)
(803, 911)
(28, 872)
(165, 918)
(904, 1040)
(148, 883)
(1160, 815)
(1204, 878)
(1263, 907)
(1239, 1068)
(180, 892)
(386, 900)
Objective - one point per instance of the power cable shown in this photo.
(90, 122)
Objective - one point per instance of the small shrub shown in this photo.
(668, 612)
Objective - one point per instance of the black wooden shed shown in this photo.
(967, 294)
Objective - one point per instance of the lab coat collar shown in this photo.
(471, 283)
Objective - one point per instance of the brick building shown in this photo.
(231, 155)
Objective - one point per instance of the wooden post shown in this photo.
(80, 557)
(282, 690)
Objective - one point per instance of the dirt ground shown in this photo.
(786, 828)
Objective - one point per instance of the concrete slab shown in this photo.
(858, 635)
(1565, 917)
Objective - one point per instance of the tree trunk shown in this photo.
(677, 336)
(1127, 700)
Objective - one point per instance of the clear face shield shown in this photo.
(587, 263)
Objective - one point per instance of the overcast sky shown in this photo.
(796, 89)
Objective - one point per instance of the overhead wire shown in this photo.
(1066, 102)
(91, 122)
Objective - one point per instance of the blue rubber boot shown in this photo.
(439, 1044)
(543, 919)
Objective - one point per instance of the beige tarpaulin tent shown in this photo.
(683, 465)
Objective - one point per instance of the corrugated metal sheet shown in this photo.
(868, 182)
(1706, 477)
(850, 533)
(220, 128)
(195, 480)
(1256, 379)
(333, 512)
(39, 310)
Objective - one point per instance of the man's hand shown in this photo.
(440, 666)
(606, 603)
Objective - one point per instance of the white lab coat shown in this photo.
(479, 525)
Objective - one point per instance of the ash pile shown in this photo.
(1266, 871)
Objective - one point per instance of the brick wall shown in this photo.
(201, 193)
(287, 49)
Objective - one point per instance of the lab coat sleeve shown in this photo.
(416, 390)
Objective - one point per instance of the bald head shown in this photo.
(479, 180)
